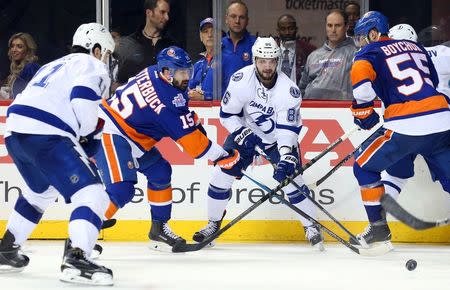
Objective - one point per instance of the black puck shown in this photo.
(411, 265)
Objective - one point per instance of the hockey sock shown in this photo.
(371, 200)
(301, 202)
(90, 204)
(217, 202)
(112, 209)
(392, 185)
(84, 227)
(160, 203)
(120, 193)
(23, 220)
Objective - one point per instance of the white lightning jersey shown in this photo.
(61, 99)
(440, 55)
(272, 114)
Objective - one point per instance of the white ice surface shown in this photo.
(256, 266)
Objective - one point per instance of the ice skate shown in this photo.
(11, 258)
(315, 237)
(374, 233)
(210, 229)
(77, 268)
(162, 238)
(95, 254)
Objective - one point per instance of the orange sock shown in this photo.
(112, 209)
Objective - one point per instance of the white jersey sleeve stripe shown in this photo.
(42, 116)
(81, 92)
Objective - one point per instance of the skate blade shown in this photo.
(377, 249)
(97, 279)
(160, 246)
(5, 269)
(319, 246)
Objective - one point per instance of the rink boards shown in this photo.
(271, 221)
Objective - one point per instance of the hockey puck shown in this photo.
(411, 265)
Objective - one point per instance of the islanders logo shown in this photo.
(171, 52)
(246, 56)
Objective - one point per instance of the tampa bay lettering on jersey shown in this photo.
(398, 47)
(265, 109)
(148, 91)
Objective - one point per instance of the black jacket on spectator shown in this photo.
(137, 52)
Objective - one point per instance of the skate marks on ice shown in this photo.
(258, 266)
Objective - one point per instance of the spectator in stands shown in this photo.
(201, 83)
(116, 35)
(139, 50)
(353, 12)
(114, 59)
(294, 51)
(237, 44)
(327, 71)
(22, 54)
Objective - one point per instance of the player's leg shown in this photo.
(437, 157)
(75, 177)
(395, 177)
(159, 194)
(29, 207)
(379, 153)
(219, 190)
(118, 171)
(312, 232)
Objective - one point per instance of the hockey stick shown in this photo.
(330, 147)
(396, 210)
(312, 199)
(342, 162)
(374, 251)
(325, 177)
(195, 247)
(108, 223)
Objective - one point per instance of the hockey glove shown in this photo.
(198, 123)
(364, 115)
(246, 141)
(89, 143)
(285, 167)
(228, 161)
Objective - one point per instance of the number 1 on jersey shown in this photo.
(44, 81)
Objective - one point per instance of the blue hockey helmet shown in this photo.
(370, 20)
(174, 58)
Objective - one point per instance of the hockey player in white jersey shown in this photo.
(44, 126)
(394, 178)
(260, 108)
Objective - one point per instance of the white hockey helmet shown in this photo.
(403, 31)
(89, 34)
(265, 47)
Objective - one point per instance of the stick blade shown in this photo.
(391, 206)
(379, 250)
(184, 247)
(108, 223)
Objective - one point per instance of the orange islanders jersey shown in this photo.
(147, 109)
(402, 75)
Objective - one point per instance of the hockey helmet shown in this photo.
(403, 31)
(89, 34)
(265, 47)
(371, 20)
(174, 58)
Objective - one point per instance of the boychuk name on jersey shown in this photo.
(398, 47)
